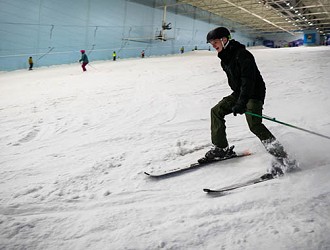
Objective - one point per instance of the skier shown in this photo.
(84, 60)
(142, 54)
(248, 94)
(114, 56)
(30, 63)
(182, 50)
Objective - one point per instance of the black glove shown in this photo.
(238, 109)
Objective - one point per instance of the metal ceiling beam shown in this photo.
(260, 15)
(257, 15)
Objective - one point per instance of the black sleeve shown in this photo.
(247, 69)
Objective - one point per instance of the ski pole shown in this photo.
(46, 53)
(286, 124)
(92, 66)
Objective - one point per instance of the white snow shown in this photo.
(74, 147)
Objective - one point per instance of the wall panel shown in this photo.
(53, 32)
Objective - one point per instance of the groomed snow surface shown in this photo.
(74, 147)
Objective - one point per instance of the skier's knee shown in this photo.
(217, 111)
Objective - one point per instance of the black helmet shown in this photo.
(217, 33)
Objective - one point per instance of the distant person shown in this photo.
(84, 60)
(114, 56)
(248, 94)
(30, 63)
(142, 54)
(182, 50)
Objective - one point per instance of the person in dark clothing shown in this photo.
(83, 59)
(248, 94)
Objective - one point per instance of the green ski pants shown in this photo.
(224, 107)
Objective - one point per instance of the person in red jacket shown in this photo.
(83, 59)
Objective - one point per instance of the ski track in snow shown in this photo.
(74, 147)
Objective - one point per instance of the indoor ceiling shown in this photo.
(270, 16)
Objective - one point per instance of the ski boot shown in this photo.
(281, 162)
(280, 166)
(288, 164)
(277, 169)
(217, 154)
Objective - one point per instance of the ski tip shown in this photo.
(207, 190)
(152, 175)
(212, 192)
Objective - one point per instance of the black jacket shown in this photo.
(243, 74)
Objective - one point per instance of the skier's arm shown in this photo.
(247, 71)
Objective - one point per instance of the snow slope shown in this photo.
(74, 146)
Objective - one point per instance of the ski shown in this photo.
(201, 162)
(263, 178)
